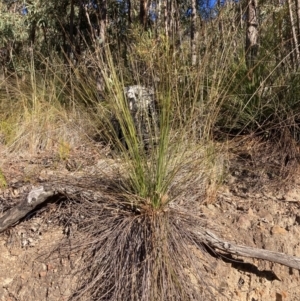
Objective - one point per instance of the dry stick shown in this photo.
(39, 195)
(215, 242)
(35, 197)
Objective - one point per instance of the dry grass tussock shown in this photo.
(137, 252)
(147, 247)
(140, 239)
(33, 119)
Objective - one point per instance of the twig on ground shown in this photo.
(230, 248)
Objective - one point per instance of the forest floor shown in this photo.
(253, 207)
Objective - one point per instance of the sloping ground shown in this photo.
(37, 271)
(261, 221)
(251, 208)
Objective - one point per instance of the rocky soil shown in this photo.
(252, 207)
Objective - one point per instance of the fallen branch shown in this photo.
(40, 195)
(35, 197)
(230, 248)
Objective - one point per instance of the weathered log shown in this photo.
(228, 247)
(39, 195)
(35, 197)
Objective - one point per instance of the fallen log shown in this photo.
(36, 197)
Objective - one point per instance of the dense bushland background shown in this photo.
(236, 63)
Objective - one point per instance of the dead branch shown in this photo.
(230, 248)
(35, 197)
(39, 195)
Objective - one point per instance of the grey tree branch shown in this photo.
(230, 248)
(35, 197)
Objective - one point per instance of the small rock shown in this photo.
(211, 207)
(292, 196)
(44, 267)
(43, 274)
(244, 222)
(250, 211)
(280, 197)
(268, 218)
(50, 267)
(278, 230)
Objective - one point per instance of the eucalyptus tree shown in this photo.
(252, 33)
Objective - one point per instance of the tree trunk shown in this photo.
(129, 11)
(298, 16)
(102, 15)
(71, 54)
(158, 21)
(144, 6)
(166, 17)
(194, 33)
(251, 34)
(294, 33)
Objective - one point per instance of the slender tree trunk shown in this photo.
(294, 32)
(158, 21)
(129, 11)
(298, 16)
(166, 17)
(144, 7)
(71, 35)
(102, 20)
(171, 19)
(194, 33)
(251, 34)
(177, 18)
(169, 13)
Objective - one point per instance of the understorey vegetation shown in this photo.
(65, 71)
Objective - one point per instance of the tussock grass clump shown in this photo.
(142, 240)
(148, 255)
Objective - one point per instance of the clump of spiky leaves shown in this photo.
(143, 238)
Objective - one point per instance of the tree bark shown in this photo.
(144, 6)
(230, 248)
(294, 32)
(166, 17)
(298, 17)
(251, 34)
(102, 16)
(35, 197)
(194, 33)
(129, 11)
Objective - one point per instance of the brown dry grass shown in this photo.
(140, 253)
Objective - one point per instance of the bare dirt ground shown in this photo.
(254, 207)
